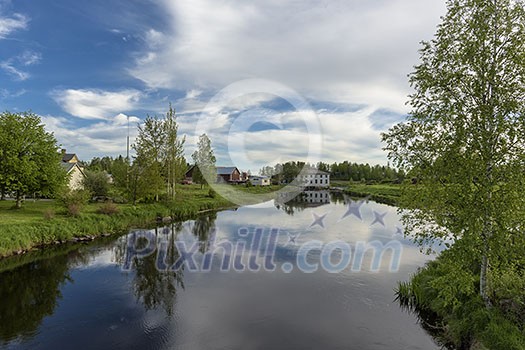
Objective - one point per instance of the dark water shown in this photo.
(78, 297)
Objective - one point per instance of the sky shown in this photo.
(268, 81)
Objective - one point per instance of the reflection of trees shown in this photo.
(28, 293)
(156, 287)
(288, 208)
(203, 228)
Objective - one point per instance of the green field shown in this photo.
(384, 193)
(45, 222)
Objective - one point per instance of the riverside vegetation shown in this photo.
(464, 144)
(41, 222)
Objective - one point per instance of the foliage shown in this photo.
(443, 294)
(109, 208)
(464, 139)
(173, 153)
(338, 171)
(49, 214)
(159, 163)
(74, 200)
(26, 228)
(29, 157)
(205, 161)
(97, 183)
(362, 172)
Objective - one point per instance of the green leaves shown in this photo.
(464, 140)
(204, 160)
(29, 158)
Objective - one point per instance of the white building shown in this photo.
(314, 178)
(260, 180)
(70, 163)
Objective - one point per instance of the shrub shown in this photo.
(97, 183)
(109, 208)
(212, 193)
(73, 201)
(49, 214)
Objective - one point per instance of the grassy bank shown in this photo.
(444, 295)
(44, 222)
(382, 193)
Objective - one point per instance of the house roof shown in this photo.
(226, 170)
(66, 157)
(68, 166)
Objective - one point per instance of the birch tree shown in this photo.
(464, 139)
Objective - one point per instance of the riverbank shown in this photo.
(43, 223)
(382, 193)
(444, 295)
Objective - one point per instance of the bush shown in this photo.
(97, 183)
(109, 208)
(49, 214)
(73, 201)
(212, 193)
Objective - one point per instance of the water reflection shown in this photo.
(32, 292)
(81, 297)
(290, 204)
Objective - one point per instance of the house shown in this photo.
(228, 174)
(70, 164)
(311, 177)
(188, 176)
(260, 180)
(224, 175)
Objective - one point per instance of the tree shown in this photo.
(29, 157)
(464, 139)
(204, 160)
(159, 156)
(173, 153)
(97, 183)
(149, 147)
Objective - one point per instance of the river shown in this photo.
(297, 275)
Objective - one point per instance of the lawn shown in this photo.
(45, 222)
(384, 193)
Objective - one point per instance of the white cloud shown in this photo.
(106, 137)
(193, 93)
(96, 104)
(344, 136)
(357, 51)
(10, 24)
(10, 69)
(27, 58)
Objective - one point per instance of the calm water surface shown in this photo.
(79, 297)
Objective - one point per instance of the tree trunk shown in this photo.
(18, 204)
(486, 235)
(483, 278)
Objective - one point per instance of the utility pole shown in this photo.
(127, 159)
(127, 144)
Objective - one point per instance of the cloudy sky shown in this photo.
(269, 81)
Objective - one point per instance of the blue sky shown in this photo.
(86, 66)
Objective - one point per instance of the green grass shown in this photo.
(383, 193)
(26, 228)
(464, 323)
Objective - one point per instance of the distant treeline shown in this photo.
(346, 171)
